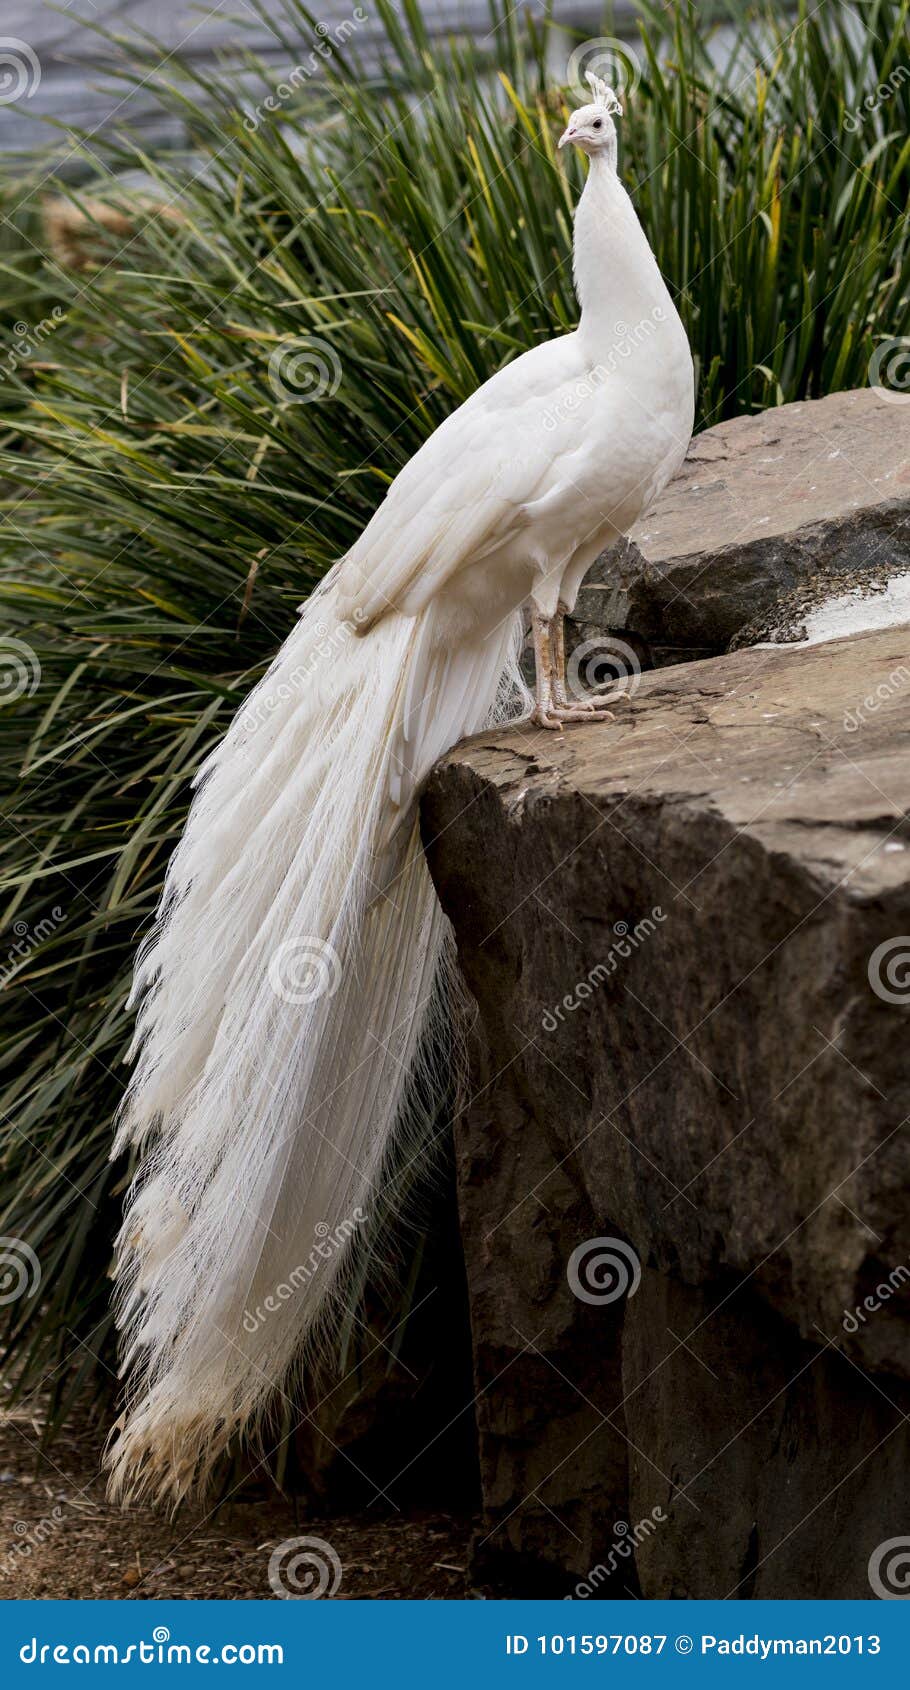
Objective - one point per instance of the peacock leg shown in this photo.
(566, 708)
(551, 706)
(558, 643)
(543, 715)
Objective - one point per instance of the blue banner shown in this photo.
(457, 1644)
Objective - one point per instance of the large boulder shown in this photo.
(769, 517)
(683, 1174)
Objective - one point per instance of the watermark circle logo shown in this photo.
(303, 1569)
(598, 664)
(20, 70)
(305, 969)
(20, 1270)
(889, 1569)
(302, 371)
(20, 670)
(889, 370)
(603, 1270)
(889, 970)
(615, 61)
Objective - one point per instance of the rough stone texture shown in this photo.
(791, 1463)
(536, 1433)
(768, 516)
(722, 1086)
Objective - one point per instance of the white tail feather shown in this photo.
(283, 996)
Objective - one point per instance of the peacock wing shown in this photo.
(472, 486)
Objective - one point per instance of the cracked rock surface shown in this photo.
(687, 932)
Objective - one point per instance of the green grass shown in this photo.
(164, 509)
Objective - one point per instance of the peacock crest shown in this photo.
(604, 95)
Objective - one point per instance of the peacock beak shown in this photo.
(566, 136)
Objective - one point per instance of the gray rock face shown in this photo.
(791, 1462)
(768, 516)
(687, 934)
(542, 1445)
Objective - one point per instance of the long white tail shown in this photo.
(283, 996)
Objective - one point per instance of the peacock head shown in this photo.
(591, 127)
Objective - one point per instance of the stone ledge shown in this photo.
(768, 515)
(729, 1094)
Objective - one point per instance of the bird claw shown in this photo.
(578, 713)
(600, 704)
(557, 714)
(541, 718)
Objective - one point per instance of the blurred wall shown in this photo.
(72, 82)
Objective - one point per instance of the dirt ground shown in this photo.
(60, 1538)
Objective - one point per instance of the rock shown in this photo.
(824, 609)
(769, 516)
(790, 1461)
(535, 1433)
(688, 935)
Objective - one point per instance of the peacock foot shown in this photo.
(556, 714)
(600, 705)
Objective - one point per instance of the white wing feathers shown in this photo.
(466, 492)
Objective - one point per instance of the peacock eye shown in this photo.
(598, 123)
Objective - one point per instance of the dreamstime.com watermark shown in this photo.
(30, 1537)
(26, 940)
(160, 1651)
(266, 698)
(887, 1288)
(889, 1569)
(626, 341)
(330, 36)
(328, 1244)
(615, 62)
(888, 969)
(898, 678)
(595, 665)
(29, 337)
(889, 370)
(627, 942)
(304, 969)
(626, 1539)
(20, 70)
(854, 120)
(603, 1270)
(304, 370)
(304, 1569)
(20, 669)
(20, 1270)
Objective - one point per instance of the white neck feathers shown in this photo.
(616, 275)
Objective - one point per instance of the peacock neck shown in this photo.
(616, 275)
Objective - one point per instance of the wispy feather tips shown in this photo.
(604, 95)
